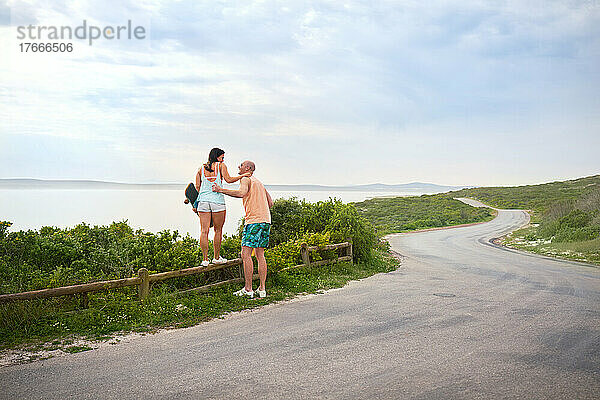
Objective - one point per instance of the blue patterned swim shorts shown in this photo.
(256, 235)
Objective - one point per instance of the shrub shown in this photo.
(589, 202)
(575, 219)
(291, 219)
(51, 257)
(287, 254)
(346, 224)
(577, 235)
(530, 236)
(575, 224)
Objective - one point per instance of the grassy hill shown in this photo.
(400, 214)
(565, 215)
(538, 198)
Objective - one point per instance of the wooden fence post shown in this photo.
(144, 288)
(305, 254)
(349, 252)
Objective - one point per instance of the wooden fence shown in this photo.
(144, 279)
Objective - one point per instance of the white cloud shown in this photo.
(332, 83)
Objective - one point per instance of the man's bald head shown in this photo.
(249, 165)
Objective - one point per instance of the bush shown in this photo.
(287, 254)
(531, 236)
(577, 235)
(291, 219)
(575, 219)
(577, 225)
(589, 202)
(345, 224)
(52, 257)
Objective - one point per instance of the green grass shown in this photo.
(401, 214)
(526, 239)
(56, 323)
(76, 349)
(538, 198)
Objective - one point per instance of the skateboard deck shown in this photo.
(191, 194)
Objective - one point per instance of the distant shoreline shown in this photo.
(36, 184)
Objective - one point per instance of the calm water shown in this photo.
(152, 210)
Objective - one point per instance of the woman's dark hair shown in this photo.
(212, 158)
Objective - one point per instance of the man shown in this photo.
(257, 226)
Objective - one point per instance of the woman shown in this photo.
(210, 205)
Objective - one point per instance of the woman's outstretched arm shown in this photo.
(227, 177)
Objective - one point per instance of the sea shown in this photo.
(153, 210)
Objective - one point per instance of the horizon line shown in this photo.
(183, 183)
(302, 184)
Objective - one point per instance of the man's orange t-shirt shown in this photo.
(256, 203)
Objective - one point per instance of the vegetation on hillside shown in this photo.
(400, 214)
(538, 198)
(565, 215)
(569, 228)
(572, 220)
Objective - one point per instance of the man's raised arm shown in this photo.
(241, 192)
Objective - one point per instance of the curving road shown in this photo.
(459, 319)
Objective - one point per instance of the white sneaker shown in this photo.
(244, 292)
(261, 293)
(219, 260)
(205, 263)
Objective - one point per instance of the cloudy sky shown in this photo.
(326, 92)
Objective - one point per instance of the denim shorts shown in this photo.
(208, 206)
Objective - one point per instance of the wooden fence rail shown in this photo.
(305, 253)
(144, 279)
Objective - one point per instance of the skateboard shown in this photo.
(191, 194)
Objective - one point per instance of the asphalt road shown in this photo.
(459, 319)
